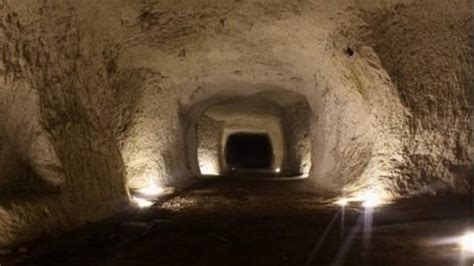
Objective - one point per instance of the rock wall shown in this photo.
(207, 150)
(425, 49)
(47, 52)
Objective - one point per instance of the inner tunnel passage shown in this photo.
(249, 151)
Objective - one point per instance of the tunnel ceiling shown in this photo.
(99, 97)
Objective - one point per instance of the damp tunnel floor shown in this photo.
(261, 223)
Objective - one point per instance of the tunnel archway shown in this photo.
(246, 151)
(276, 120)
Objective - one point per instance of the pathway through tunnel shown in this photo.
(249, 151)
(253, 223)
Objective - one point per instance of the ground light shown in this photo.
(143, 198)
(152, 190)
(345, 201)
(368, 199)
(463, 243)
(467, 241)
(142, 203)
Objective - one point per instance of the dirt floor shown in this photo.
(263, 224)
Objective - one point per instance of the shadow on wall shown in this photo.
(28, 164)
(265, 134)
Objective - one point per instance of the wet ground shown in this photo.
(264, 224)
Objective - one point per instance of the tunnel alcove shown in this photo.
(248, 151)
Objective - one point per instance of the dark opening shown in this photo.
(249, 151)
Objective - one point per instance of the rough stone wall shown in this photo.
(151, 140)
(426, 51)
(296, 120)
(48, 52)
(208, 136)
(32, 163)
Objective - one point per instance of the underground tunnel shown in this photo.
(265, 134)
(251, 151)
(250, 132)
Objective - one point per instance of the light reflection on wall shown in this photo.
(209, 134)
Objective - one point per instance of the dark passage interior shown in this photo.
(249, 151)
